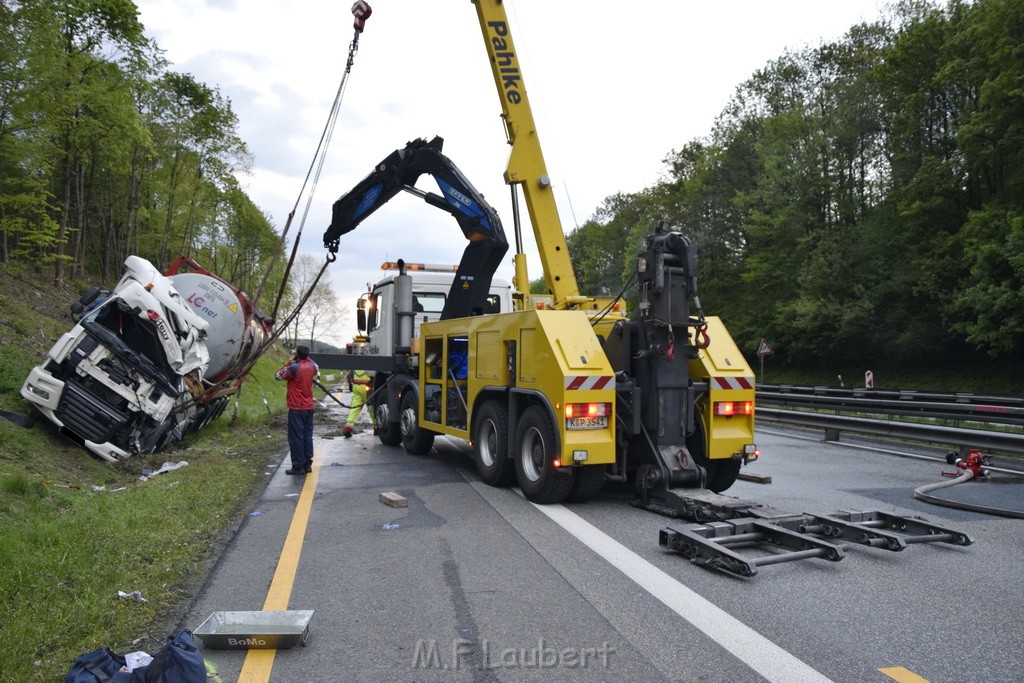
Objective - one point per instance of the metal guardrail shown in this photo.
(811, 404)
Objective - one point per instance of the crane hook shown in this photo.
(701, 339)
(361, 11)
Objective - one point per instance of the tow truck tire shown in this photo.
(490, 445)
(389, 433)
(722, 473)
(415, 439)
(540, 481)
(587, 483)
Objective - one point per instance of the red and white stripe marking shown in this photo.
(587, 382)
(732, 382)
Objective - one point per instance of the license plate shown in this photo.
(587, 422)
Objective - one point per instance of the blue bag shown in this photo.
(98, 666)
(178, 661)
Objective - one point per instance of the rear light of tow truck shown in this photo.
(588, 410)
(730, 408)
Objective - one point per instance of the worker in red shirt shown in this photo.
(300, 373)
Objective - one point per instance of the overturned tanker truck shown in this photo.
(149, 362)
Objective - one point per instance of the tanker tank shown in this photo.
(236, 331)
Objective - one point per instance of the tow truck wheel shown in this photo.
(722, 472)
(389, 433)
(588, 482)
(490, 445)
(539, 479)
(415, 439)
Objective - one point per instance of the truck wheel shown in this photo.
(490, 445)
(721, 473)
(415, 439)
(587, 482)
(539, 479)
(389, 433)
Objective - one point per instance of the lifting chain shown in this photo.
(361, 11)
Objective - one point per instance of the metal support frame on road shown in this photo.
(785, 537)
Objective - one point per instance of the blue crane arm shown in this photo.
(478, 220)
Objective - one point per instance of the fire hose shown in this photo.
(328, 392)
(974, 466)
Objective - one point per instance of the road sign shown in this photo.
(764, 349)
(869, 380)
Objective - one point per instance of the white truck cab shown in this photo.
(377, 309)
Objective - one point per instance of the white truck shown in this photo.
(148, 362)
(430, 283)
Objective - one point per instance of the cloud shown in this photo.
(614, 88)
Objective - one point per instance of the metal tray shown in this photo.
(255, 630)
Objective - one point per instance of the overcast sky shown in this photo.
(614, 87)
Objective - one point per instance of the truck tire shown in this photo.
(389, 433)
(534, 455)
(490, 445)
(415, 439)
(587, 482)
(722, 473)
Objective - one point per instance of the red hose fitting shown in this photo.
(975, 463)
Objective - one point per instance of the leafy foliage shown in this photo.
(104, 152)
(857, 202)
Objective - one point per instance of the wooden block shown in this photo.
(756, 478)
(393, 499)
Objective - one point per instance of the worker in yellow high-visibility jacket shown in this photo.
(360, 382)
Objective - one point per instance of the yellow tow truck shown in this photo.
(565, 393)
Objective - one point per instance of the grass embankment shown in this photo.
(67, 549)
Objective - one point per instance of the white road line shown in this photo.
(744, 643)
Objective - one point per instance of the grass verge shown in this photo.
(74, 530)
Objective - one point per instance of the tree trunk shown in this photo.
(65, 209)
(78, 240)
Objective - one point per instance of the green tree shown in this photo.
(74, 54)
(198, 153)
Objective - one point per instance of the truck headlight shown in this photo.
(41, 393)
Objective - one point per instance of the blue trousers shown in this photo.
(300, 437)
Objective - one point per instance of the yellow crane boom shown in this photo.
(526, 166)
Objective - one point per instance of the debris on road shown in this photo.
(393, 499)
(134, 595)
(166, 467)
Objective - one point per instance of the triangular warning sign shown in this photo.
(764, 349)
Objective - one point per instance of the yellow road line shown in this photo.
(258, 663)
(898, 673)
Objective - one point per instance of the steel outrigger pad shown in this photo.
(726, 524)
(709, 544)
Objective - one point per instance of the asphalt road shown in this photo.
(474, 583)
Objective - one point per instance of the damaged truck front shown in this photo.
(135, 373)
